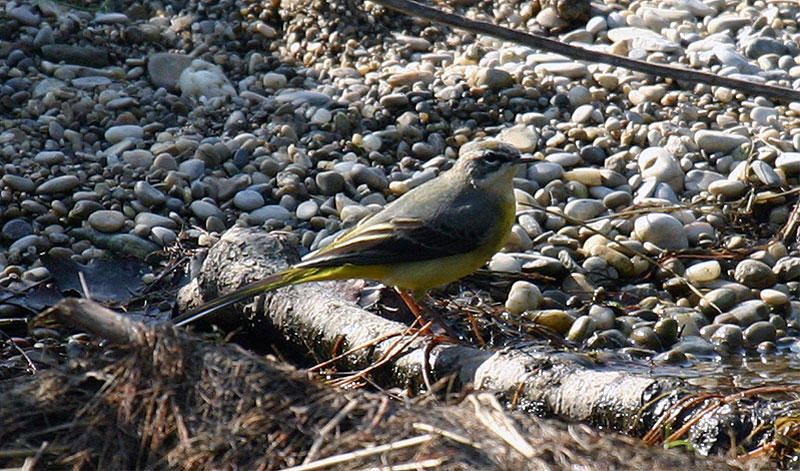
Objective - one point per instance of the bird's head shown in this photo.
(488, 162)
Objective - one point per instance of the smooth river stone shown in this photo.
(718, 141)
(523, 296)
(107, 220)
(658, 163)
(662, 230)
(60, 184)
(704, 272)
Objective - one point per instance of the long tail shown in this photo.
(278, 280)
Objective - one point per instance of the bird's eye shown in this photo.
(494, 157)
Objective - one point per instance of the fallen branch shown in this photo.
(319, 319)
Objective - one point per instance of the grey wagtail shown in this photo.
(435, 233)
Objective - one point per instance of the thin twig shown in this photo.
(447, 434)
(363, 453)
(496, 420)
(326, 430)
(412, 466)
(21, 351)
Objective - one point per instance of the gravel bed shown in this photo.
(123, 131)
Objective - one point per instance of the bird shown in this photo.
(436, 233)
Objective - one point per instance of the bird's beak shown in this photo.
(526, 160)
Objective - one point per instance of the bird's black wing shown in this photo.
(465, 227)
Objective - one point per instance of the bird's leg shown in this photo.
(412, 305)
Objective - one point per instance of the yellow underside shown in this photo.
(416, 277)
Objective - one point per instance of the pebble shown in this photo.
(662, 230)
(565, 69)
(273, 80)
(554, 319)
(504, 263)
(16, 229)
(660, 165)
(107, 220)
(718, 141)
(116, 134)
(307, 210)
(19, 183)
(248, 200)
(493, 79)
(60, 184)
(523, 296)
(138, 158)
(25, 15)
(704, 272)
(148, 195)
(728, 337)
(523, 137)
(163, 236)
(761, 331)
(204, 209)
(165, 68)
(265, 213)
(194, 168)
(581, 329)
(151, 220)
(202, 79)
(583, 208)
(755, 274)
(330, 182)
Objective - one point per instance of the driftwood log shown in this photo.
(321, 320)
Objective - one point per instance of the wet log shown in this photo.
(322, 320)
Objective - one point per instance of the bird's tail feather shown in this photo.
(278, 280)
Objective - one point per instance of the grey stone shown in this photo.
(165, 68)
(163, 236)
(727, 338)
(718, 141)
(60, 184)
(787, 268)
(329, 182)
(646, 337)
(107, 220)
(25, 15)
(745, 313)
(116, 134)
(265, 213)
(204, 209)
(755, 274)
(19, 183)
(151, 220)
(248, 200)
(49, 157)
(583, 208)
(581, 329)
(663, 230)
(545, 172)
(89, 56)
(148, 195)
(194, 168)
(138, 158)
(16, 228)
(761, 331)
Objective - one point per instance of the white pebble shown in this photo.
(704, 272)
(523, 296)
